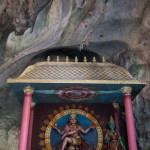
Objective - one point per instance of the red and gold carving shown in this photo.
(50, 117)
(46, 122)
(42, 143)
(55, 112)
(43, 128)
(42, 135)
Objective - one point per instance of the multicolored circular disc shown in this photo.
(76, 93)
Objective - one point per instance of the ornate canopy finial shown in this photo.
(57, 59)
(76, 59)
(85, 60)
(103, 60)
(94, 59)
(111, 120)
(67, 59)
(48, 59)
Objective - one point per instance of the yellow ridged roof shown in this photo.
(75, 72)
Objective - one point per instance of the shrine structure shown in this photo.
(86, 89)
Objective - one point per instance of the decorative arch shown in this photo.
(73, 111)
(81, 112)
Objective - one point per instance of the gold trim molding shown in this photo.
(28, 90)
(10, 80)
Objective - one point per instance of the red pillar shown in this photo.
(129, 118)
(25, 118)
(30, 126)
(116, 106)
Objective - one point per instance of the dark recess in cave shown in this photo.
(70, 52)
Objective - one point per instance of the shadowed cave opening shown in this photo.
(67, 51)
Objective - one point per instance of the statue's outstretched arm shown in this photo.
(59, 131)
(87, 130)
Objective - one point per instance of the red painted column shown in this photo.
(25, 118)
(129, 118)
(30, 125)
(116, 106)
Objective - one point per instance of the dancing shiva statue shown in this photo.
(112, 137)
(72, 133)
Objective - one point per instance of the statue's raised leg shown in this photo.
(66, 140)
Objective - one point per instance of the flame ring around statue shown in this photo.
(78, 112)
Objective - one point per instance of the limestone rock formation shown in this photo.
(30, 30)
(9, 139)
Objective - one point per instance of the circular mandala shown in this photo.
(76, 93)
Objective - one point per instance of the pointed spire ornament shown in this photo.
(67, 59)
(76, 59)
(85, 60)
(57, 59)
(94, 59)
(103, 60)
(48, 59)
